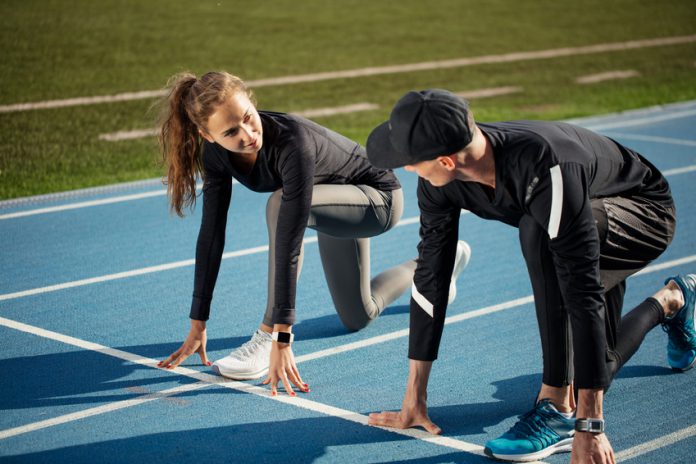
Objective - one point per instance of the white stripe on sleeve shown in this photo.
(421, 300)
(556, 201)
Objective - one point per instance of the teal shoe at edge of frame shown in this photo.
(681, 347)
(537, 434)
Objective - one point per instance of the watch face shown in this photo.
(594, 426)
(284, 337)
(590, 425)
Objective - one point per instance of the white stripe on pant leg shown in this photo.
(556, 201)
(421, 300)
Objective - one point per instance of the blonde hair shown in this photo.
(184, 111)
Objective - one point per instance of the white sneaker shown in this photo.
(461, 259)
(249, 361)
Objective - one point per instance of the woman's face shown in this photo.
(235, 125)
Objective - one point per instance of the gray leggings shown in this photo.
(344, 216)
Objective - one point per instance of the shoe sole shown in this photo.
(463, 258)
(240, 375)
(563, 446)
(461, 261)
(684, 369)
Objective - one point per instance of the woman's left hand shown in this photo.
(283, 368)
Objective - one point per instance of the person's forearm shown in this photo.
(590, 404)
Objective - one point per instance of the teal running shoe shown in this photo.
(681, 348)
(539, 433)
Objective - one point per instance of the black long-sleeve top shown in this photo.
(549, 171)
(296, 154)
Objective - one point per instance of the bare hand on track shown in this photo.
(194, 343)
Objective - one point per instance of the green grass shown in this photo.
(64, 49)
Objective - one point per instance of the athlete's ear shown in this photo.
(447, 162)
(206, 136)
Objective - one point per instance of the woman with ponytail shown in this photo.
(210, 128)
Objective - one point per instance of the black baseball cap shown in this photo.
(422, 126)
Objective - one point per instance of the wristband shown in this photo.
(589, 425)
(283, 337)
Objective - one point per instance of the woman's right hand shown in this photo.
(194, 343)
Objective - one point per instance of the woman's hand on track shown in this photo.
(194, 343)
(283, 369)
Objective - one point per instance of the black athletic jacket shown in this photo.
(548, 171)
(296, 154)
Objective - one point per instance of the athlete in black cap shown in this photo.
(590, 213)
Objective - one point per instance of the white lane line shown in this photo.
(87, 204)
(642, 121)
(606, 76)
(135, 272)
(161, 267)
(376, 71)
(666, 265)
(588, 121)
(83, 204)
(656, 444)
(651, 138)
(312, 113)
(80, 193)
(205, 379)
(676, 171)
(115, 406)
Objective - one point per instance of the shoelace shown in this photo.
(532, 426)
(248, 348)
(682, 336)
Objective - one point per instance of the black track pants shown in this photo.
(632, 232)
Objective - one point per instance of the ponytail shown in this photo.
(180, 144)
